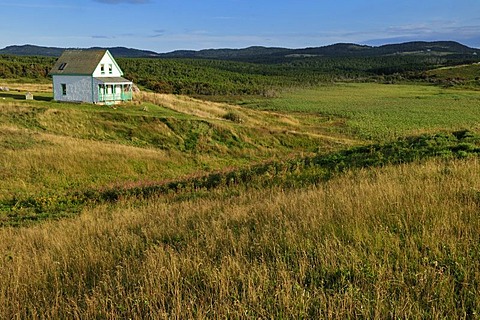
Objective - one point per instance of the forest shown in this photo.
(213, 77)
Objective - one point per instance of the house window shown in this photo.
(102, 68)
(110, 69)
(62, 66)
(64, 89)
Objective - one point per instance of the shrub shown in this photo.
(233, 116)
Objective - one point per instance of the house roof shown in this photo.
(78, 62)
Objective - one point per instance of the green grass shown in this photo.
(463, 72)
(292, 173)
(49, 148)
(56, 147)
(379, 112)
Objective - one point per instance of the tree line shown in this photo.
(220, 77)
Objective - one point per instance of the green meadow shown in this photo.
(378, 111)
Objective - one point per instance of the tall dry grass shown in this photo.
(47, 163)
(47, 147)
(27, 87)
(184, 104)
(317, 127)
(396, 242)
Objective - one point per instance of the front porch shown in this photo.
(114, 90)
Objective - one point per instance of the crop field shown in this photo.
(347, 200)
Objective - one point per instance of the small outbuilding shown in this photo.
(89, 76)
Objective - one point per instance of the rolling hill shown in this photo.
(262, 54)
(32, 50)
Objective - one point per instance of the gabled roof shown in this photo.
(78, 62)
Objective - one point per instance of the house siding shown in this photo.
(79, 88)
(107, 60)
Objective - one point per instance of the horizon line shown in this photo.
(240, 48)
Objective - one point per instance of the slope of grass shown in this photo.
(51, 152)
(463, 72)
(396, 242)
(50, 147)
(294, 172)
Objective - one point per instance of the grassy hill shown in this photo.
(468, 72)
(32, 50)
(53, 146)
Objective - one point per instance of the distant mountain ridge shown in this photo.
(32, 50)
(334, 50)
(259, 53)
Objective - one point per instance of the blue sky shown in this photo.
(167, 25)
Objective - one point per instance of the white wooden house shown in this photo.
(89, 76)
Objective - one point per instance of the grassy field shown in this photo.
(379, 112)
(340, 201)
(48, 147)
(470, 72)
(397, 242)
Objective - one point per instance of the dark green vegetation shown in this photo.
(219, 77)
(266, 54)
(264, 71)
(227, 78)
(25, 67)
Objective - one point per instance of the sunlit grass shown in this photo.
(40, 86)
(463, 72)
(377, 111)
(397, 242)
(50, 164)
(50, 147)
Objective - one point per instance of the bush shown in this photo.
(233, 116)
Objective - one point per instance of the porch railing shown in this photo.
(123, 96)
